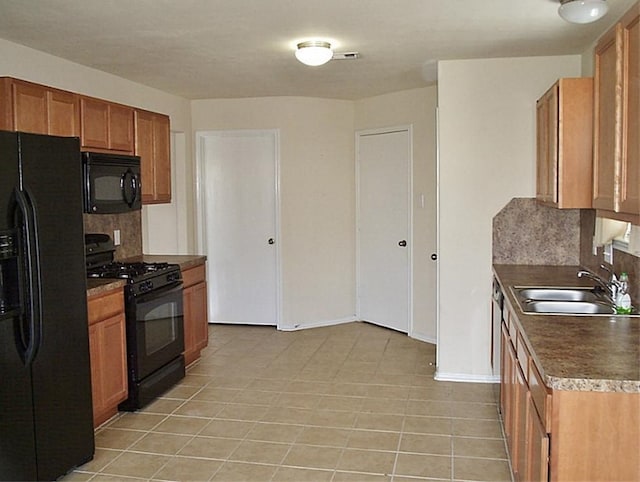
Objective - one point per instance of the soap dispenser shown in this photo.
(623, 300)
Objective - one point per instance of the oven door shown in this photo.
(155, 330)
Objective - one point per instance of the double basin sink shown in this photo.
(565, 301)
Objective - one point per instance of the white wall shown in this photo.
(487, 157)
(160, 222)
(317, 192)
(418, 108)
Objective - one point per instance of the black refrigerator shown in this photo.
(46, 425)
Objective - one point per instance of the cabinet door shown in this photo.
(114, 361)
(94, 116)
(152, 145)
(63, 113)
(607, 120)
(536, 465)
(519, 456)
(630, 163)
(161, 159)
(547, 147)
(199, 313)
(96, 357)
(29, 107)
(196, 328)
(120, 128)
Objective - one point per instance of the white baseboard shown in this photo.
(317, 324)
(425, 338)
(465, 377)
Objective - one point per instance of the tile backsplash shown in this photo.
(526, 232)
(129, 224)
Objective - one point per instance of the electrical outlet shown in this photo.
(116, 237)
(608, 253)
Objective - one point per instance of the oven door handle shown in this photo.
(153, 294)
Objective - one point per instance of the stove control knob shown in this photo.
(146, 286)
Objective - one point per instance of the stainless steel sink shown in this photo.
(565, 301)
(559, 294)
(568, 307)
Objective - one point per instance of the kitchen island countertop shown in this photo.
(583, 353)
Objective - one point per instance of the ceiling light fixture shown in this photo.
(314, 52)
(582, 11)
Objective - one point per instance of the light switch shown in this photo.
(116, 237)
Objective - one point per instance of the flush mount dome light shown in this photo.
(314, 52)
(582, 11)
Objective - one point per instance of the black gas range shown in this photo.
(141, 277)
(154, 319)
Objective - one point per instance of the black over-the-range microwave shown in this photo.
(111, 183)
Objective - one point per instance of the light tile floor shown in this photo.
(353, 402)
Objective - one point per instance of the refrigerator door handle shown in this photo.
(32, 295)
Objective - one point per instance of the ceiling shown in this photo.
(244, 48)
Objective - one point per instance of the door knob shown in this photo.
(402, 243)
(434, 256)
(271, 241)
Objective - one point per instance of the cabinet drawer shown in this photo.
(513, 329)
(523, 357)
(193, 276)
(540, 395)
(105, 306)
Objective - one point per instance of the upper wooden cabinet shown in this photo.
(152, 145)
(564, 144)
(29, 107)
(106, 125)
(616, 154)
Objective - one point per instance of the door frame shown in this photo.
(388, 130)
(201, 199)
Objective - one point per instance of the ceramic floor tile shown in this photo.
(181, 425)
(137, 421)
(373, 440)
(260, 452)
(312, 457)
(379, 421)
(274, 432)
(115, 438)
(481, 469)
(210, 447)
(432, 466)
(161, 443)
(360, 477)
(136, 465)
(329, 437)
(243, 472)
(426, 444)
(479, 447)
(188, 469)
(337, 404)
(197, 408)
(370, 461)
(293, 474)
(227, 428)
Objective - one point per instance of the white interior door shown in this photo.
(384, 228)
(240, 219)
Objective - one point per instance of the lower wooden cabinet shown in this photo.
(525, 429)
(558, 435)
(196, 325)
(108, 351)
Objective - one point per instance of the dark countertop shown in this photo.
(584, 353)
(97, 286)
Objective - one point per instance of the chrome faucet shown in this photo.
(611, 286)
